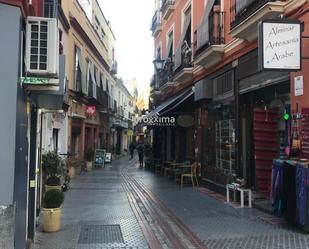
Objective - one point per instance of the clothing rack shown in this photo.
(290, 192)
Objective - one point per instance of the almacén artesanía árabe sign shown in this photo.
(280, 44)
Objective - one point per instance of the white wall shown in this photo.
(55, 121)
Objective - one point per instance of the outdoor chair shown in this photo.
(180, 170)
(189, 171)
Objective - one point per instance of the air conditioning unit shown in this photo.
(42, 46)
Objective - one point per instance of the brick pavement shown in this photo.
(135, 209)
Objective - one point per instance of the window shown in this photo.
(50, 8)
(224, 83)
(170, 44)
(55, 139)
(158, 55)
(96, 23)
(102, 34)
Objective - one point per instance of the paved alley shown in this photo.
(122, 206)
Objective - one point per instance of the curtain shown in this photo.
(94, 84)
(202, 32)
(169, 45)
(83, 78)
(178, 54)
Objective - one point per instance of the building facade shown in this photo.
(210, 78)
(34, 83)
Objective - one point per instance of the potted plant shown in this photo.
(54, 167)
(74, 167)
(52, 201)
(89, 154)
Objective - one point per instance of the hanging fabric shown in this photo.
(202, 32)
(84, 87)
(94, 84)
(178, 53)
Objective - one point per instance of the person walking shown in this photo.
(131, 148)
(140, 150)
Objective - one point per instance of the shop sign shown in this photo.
(38, 81)
(90, 111)
(299, 85)
(280, 44)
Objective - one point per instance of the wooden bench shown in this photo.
(242, 191)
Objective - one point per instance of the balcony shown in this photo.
(114, 67)
(167, 8)
(102, 97)
(166, 76)
(183, 69)
(210, 44)
(246, 14)
(156, 25)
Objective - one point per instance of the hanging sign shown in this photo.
(90, 111)
(185, 121)
(299, 85)
(280, 44)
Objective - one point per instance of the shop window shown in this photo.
(225, 145)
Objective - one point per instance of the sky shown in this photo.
(130, 21)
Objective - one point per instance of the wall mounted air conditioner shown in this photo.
(42, 46)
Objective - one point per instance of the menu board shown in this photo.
(99, 157)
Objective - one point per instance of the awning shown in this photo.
(177, 103)
(171, 103)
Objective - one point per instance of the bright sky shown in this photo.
(130, 21)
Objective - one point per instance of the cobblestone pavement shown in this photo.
(122, 206)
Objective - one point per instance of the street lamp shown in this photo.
(158, 64)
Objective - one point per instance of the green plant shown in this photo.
(73, 162)
(88, 155)
(53, 166)
(53, 181)
(53, 198)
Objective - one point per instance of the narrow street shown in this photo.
(122, 206)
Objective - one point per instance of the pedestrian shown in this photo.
(140, 150)
(132, 147)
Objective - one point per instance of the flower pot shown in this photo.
(72, 172)
(89, 166)
(49, 187)
(51, 219)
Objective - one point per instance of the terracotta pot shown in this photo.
(49, 187)
(89, 166)
(51, 219)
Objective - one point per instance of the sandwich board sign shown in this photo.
(280, 44)
(99, 158)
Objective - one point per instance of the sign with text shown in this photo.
(280, 44)
(299, 85)
(90, 111)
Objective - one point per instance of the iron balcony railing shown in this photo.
(183, 57)
(215, 32)
(166, 4)
(242, 9)
(167, 74)
(156, 21)
(102, 97)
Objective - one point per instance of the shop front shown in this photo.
(216, 130)
(264, 121)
